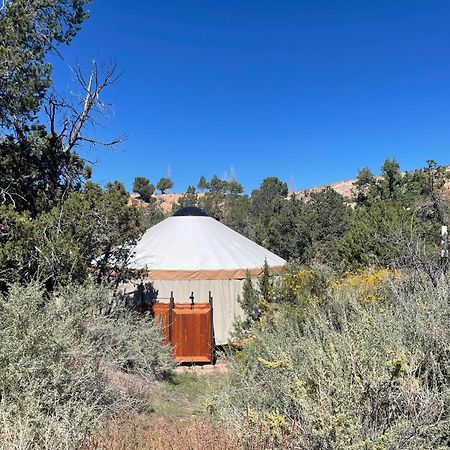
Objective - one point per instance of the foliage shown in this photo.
(236, 214)
(301, 285)
(287, 232)
(327, 218)
(266, 202)
(391, 179)
(221, 197)
(364, 185)
(144, 188)
(202, 183)
(37, 172)
(264, 198)
(189, 198)
(308, 229)
(257, 296)
(265, 282)
(373, 238)
(29, 30)
(16, 245)
(58, 246)
(250, 302)
(52, 224)
(368, 285)
(397, 219)
(98, 224)
(346, 373)
(407, 189)
(59, 361)
(152, 214)
(164, 184)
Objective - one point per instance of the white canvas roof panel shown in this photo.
(199, 247)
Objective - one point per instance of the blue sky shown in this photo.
(309, 91)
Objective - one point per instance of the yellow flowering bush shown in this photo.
(398, 365)
(272, 422)
(368, 284)
(275, 422)
(365, 368)
(278, 364)
(304, 285)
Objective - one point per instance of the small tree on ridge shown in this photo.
(164, 184)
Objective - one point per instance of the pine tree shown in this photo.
(142, 186)
(391, 182)
(189, 198)
(202, 184)
(164, 184)
(29, 30)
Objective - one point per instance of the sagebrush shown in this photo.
(344, 373)
(60, 355)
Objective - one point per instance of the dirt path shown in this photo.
(186, 394)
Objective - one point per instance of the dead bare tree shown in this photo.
(418, 252)
(86, 111)
(436, 177)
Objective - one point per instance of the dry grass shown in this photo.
(175, 417)
(145, 433)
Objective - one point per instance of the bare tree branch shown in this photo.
(3, 6)
(75, 118)
(6, 194)
(112, 143)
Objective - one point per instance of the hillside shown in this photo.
(166, 201)
(163, 201)
(345, 188)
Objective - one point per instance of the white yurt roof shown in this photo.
(199, 247)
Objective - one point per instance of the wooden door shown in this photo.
(191, 333)
(188, 328)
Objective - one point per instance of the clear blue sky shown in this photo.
(308, 91)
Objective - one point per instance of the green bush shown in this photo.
(347, 374)
(60, 358)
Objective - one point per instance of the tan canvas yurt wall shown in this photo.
(191, 252)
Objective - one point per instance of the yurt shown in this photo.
(191, 252)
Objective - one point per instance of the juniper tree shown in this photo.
(264, 198)
(202, 184)
(267, 202)
(144, 188)
(364, 186)
(250, 301)
(264, 282)
(189, 198)
(213, 201)
(391, 180)
(52, 225)
(164, 184)
(29, 30)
